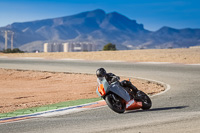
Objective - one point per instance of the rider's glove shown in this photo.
(115, 78)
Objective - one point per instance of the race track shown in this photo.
(177, 110)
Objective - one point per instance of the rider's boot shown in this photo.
(136, 93)
(138, 96)
(132, 89)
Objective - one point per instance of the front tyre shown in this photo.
(115, 103)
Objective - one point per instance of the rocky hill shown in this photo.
(99, 28)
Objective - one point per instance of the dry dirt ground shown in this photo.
(23, 89)
(186, 56)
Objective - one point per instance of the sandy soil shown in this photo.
(186, 56)
(22, 89)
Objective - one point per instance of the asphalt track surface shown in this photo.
(177, 110)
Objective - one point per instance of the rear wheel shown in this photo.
(115, 103)
(146, 101)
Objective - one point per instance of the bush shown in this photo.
(110, 47)
(15, 50)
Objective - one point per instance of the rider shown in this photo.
(110, 77)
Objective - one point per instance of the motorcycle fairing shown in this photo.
(132, 104)
(102, 82)
(114, 88)
(118, 90)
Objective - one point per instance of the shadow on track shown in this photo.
(158, 109)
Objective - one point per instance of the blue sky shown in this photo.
(153, 14)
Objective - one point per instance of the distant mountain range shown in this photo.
(99, 28)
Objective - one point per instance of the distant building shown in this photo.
(53, 47)
(46, 47)
(195, 46)
(69, 47)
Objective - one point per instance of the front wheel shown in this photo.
(115, 103)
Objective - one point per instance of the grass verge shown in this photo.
(48, 107)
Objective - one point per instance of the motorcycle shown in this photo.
(119, 99)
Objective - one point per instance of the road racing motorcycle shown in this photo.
(119, 99)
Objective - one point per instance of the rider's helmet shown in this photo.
(101, 72)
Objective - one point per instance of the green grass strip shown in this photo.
(48, 107)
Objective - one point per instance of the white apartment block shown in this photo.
(69, 47)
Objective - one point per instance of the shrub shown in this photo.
(110, 47)
(15, 50)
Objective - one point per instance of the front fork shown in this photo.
(113, 96)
